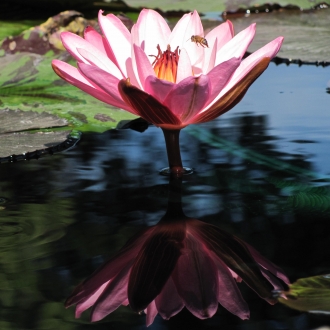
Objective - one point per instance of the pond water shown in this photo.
(261, 173)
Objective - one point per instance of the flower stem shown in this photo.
(173, 151)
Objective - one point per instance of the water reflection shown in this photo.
(179, 262)
(68, 212)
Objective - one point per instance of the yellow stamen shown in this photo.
(166, 63)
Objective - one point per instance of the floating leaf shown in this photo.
(27, 82)
(23, 143)
(211, 5)
(311, 294)
(306, 34)
(17, 120)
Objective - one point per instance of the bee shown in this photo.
(199, 41)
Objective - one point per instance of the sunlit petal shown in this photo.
(118, 37)
(237, 46)
(152, 31)
(188, 97)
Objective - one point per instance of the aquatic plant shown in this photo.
(169, 78)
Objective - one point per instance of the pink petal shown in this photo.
(112, 296)
(99, 42)
(177, 37)
(131, 74)
(237, 46)
(158, 88)
(94, 38)
(102, 62)
(270, 50)
(209, 58)
(195, 51)
(196, 280)
(141, 65)
(72, 42)
(219, 77)
(220, 35)
(89, 302)
(74, 77)
(275, 282)
(188, 97)
(118, 37)
(109, 269)
(147, 106)
(229, 296)
(151, 313)
(267, 264)
(152, 31)
(106, 82)
(184, 66)
(168, 302)
(233, 252)
(154, 264)
(231, 94)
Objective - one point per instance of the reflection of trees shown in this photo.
(267, 194)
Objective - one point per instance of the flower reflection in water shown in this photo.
(180, 262)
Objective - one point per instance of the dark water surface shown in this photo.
(262, 172)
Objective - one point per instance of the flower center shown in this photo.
(166, 63)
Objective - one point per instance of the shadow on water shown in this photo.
(261, 174)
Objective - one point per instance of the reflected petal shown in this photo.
(113, 295)
(196, 279)
(154, 264)
(236, 256)
(168, 302)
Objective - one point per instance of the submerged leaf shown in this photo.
(311, 294)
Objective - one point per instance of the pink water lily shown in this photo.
(180, 262)
(161, 75)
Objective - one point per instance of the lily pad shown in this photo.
(24, 142)
(210, 5)
(27, 82)
(17, 120)
(311, 294)
(306, 34)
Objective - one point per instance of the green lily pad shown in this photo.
(27, 82)
(311, 294)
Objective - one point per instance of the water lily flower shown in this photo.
(162, 75)
(180, 262)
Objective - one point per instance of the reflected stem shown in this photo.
(174, 207)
